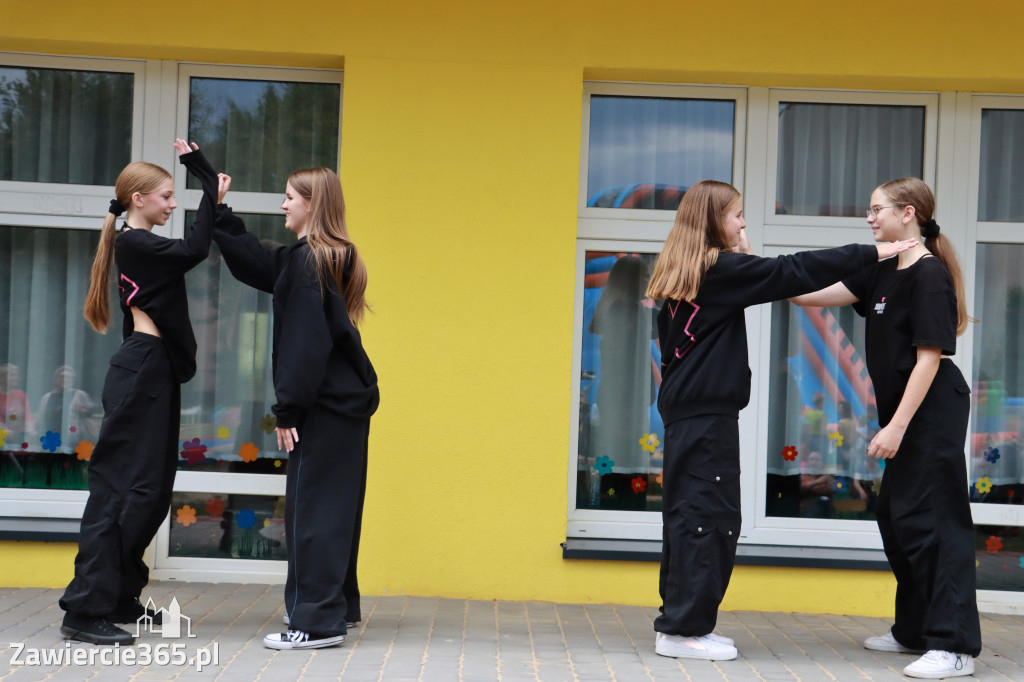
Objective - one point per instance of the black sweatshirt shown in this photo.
(704, 342)
(318, 356)
(151, 272)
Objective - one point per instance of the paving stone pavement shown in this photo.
(439, 640)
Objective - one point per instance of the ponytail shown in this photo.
(914, 192)
(97, 303)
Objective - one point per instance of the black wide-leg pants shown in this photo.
(701, 522)
(924, 516)
(325, 489)
(131, 476)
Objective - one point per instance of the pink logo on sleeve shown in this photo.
(131, 295)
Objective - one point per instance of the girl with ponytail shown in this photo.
(914, 310)
(131, 471)
(326, 391)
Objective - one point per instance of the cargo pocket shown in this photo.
(713, 500)
(123, 375)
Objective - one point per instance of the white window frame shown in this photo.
(797, 229)
(649, 224)
(161, 98)
(63, 205)
(983, 232)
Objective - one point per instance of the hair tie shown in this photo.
(930, 229)
(116, 207)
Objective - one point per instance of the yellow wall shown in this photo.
(460, 160)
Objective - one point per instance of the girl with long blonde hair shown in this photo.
(131, 471)
(914, 310)
(326, 392)
(707, 276)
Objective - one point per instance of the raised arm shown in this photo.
(829, 297)
(247, 259)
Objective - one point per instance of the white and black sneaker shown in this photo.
(348, 623)
(297, 639)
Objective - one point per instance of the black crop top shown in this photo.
(151, 272)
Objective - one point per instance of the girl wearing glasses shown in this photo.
(914, 309)
(707, 277)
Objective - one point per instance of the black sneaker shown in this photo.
(129, 611)
(95, 630)
(297, 639)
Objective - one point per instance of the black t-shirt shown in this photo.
(903, 309)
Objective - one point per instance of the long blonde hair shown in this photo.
(693, 245)
(141, 177)
(914, 192)
(327, 236)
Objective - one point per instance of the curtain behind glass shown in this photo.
(64, 126)
(53, 363)
(645, 152)
(821, 416)
(833, 156)
(620, 429)
(997, 424)
(1002, 166)
(226, 423)
(258, 132)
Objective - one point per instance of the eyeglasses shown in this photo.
(873, 211)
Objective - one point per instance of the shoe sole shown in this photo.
(895, 650)
(81, 636)
(940, 675)
(315, 644)
(694, 653)
(349, 624)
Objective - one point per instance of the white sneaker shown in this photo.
(705, 647)
(297, 639)
(888, 643)
(936, 665)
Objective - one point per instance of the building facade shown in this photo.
(510, 173)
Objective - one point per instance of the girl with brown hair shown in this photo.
(131, 471)
(914, 309)
(326, 391)
(707, 277)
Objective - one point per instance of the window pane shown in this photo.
(1000, 552)
(997, 469)
(226, 422)
(1002, 166)
(821, 416)
(645, 152)
(58, 125)
(260, 131)
(50, 409)
(620, 430)
(225, 526)
(833, 156)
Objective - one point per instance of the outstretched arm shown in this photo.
(829, 297)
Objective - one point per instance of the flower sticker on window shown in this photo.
(24, 446)
(215, 506)
(3, 437)
(603, 465)
(223, 432)
(277, 464)
(50, 441)
(248, 452)
(246, 518)
(268, 424)
(993, 544)
(650, 442)
(192, 451)
(984, 484)
(611, 492)
(837, 437)
(1022, 562)
(639, 484)
(789, 453)
(992, 455)
(73, 429)
(186, 516)
(84, 450)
